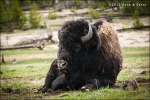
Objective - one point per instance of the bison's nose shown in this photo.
(62, 64)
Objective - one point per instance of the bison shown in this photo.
(89, 57)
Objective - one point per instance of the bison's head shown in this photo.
(77, 41)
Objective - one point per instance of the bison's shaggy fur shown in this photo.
(86, 65)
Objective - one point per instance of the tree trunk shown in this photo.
(2, 58)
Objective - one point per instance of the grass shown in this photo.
(27, 75)
(104, 94)
(73, 9)
(94, 14)
(52, 15)
(26, 51)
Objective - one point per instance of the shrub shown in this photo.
(73, 9)
(135, 17)
(131, 9)
(5, 17)
(137, 23)
(100, 5)
(111, 13)
(34, 16)
(11, 16)
(52, 15)
(94, 14)
(18, 17)
(90, 7)
(23, 21)
(78, 4)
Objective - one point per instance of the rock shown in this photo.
(142, 80)
(29, 66)
(7, 90)
(130, 85)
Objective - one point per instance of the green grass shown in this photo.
(137, 57)
(27, 51)
(52, 15)
(94, 14)
(105, 94)
(27, 79)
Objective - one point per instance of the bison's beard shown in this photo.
(65, 71)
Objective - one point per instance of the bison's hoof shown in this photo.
(37, 91)
(41, 90)
(85, 89)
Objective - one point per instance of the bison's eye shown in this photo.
(77, 48)
(85, 32)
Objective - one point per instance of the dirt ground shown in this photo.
(134, 38)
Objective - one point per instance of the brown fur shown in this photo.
(109, 41)
(90, 65)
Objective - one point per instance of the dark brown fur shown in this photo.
(90, 65)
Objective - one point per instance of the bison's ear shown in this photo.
(96, 24)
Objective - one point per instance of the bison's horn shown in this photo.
(88, 36)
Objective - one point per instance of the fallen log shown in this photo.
(31, 43)
(23, 46)
(140, 27)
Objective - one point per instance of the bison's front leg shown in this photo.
(102, 81)
(59, 83)
(91, 85)
(51, 76)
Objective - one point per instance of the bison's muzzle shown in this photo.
(62, 65)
